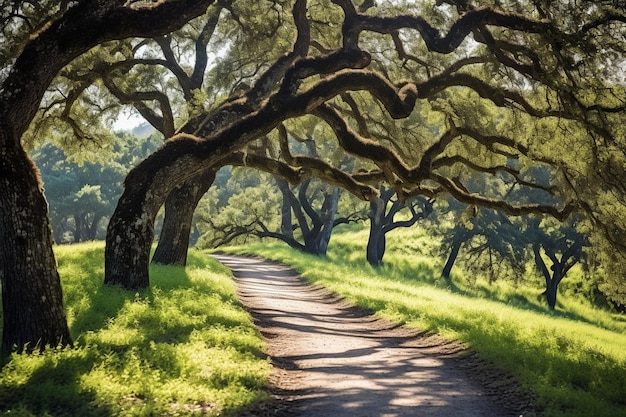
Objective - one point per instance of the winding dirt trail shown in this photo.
(333, 359)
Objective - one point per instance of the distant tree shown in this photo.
(302, 217)
(237, 206)
(383, 210)
(489, 241)
(81, 196)
(562, 245)
(492, 243)
(75, 194)
(316, 214)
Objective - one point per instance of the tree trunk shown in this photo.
(553, 284)
(32, 298)
(78, 223)
(376, 240)
(374, 255)
(129, 237)
(376, 246)
(286, 219)
(93, 228)
(454, 252)
(551, 291)
(329, 219)
(179, 208)
(131, 229)
(552, 280)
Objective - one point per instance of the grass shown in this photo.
(184, 347)
(573, 360)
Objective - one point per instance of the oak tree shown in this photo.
(518, 63)
(39, 40)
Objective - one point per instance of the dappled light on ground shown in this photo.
(332, 358)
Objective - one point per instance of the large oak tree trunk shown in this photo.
(131, 228)
(179, 208)
(129, 237)
(31, 289)
(32, 299)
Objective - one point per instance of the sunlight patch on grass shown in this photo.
(573, 366)
(183, 347)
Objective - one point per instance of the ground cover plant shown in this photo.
(183, 347)
(573, 360)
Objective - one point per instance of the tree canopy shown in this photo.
(423, 95)
(39, 40)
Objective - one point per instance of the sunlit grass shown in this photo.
(183, 347)
(574, 360)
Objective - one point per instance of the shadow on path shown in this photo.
(334, 359)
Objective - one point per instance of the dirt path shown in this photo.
(333, 359)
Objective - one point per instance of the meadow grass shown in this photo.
(183, 347)
(572, 360)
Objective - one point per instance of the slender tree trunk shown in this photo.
(179, 208)
(376, 241)
(78, 227)
(327, 228)
(58, 230)
(454, 252)
(286, 219)
(552, 280)
(552, 286)
(93, 228)
(376, 246)
(32, 299)
(372, 250)
(551, 293)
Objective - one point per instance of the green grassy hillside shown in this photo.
(573, 359)
(184, 347)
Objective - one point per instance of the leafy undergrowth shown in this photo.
(574, 366)
(183, 347)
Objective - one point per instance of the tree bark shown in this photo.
(131, 228)
(454, 252)
(180, 205)
(553, 279)
(286, 219)
(78, 229)
(331, 201)
(31, 289)
(551, 292)
(376, 246)
(93, 228)
(376, 240)
(32, 299)
(129, 237)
